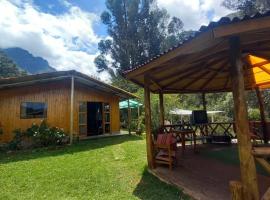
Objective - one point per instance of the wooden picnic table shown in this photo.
(182, 134)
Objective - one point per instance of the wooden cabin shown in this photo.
(81, 105)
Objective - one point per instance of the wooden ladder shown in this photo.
(261, 154)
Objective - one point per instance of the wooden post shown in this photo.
(247, 164)
(204, 108)
(262, 113)
(129, 118)
(161, 109)
(236, 189)
(148, 125)
(71, 130)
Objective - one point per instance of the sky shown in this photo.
(66, 32)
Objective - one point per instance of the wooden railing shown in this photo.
(218, 128)
(203, 129)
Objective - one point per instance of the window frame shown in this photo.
(45, 110)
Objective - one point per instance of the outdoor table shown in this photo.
(182, 134)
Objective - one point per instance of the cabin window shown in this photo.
(33, 110)
(107, 118)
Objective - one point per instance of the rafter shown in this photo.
(187, 72)
(179, 78)
(213, 75)
(153, 81)
(226, 82)
(194, 79)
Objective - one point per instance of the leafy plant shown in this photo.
(39, 135)
(16, 142)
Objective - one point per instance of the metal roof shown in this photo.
(62, 75)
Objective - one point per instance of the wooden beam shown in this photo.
(71, 129)
(264, 69)
(247, 164)
(213, 76)
(148, 125)
(242, 27)
(226, 82)
(262, 114)
(129, 118)
(156, 84)
(195, 79)
(188, 60)
(261, 54)
(191, 67)
(161, 109)
(178, 78)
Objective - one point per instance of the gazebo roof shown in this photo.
(201, 64)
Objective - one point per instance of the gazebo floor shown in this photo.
(202, 177)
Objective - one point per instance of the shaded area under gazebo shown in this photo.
(226, 56)
(209, 179)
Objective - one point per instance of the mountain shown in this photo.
(28, 62)
(8, 68)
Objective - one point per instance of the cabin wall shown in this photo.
(56, 95)
(86, 94)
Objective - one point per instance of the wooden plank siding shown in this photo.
(57, 96)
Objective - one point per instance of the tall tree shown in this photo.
(138, 30)
(8, 68)
(247, 7)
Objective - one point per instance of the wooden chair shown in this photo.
(165, 147)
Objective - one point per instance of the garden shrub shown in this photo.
(38, 136)
(16, 142)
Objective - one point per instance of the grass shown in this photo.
(229, 155)
(108, 168)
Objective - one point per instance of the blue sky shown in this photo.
(66, 32)
(57, 7)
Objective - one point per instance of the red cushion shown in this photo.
(165, 139)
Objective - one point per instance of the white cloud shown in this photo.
(194, 13)
(66, 41)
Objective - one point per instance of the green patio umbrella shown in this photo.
(129, 104)
(132, 104)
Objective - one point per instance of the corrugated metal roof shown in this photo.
(60, 75)
(221, 22)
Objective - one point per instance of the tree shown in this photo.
(8, 68)
(247, 7)
(139, 30)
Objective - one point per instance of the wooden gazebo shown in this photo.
(228, 55)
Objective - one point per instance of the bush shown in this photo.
(38, 136)
(254, 114)
(16, 142)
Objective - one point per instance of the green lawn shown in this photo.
(109, 168)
